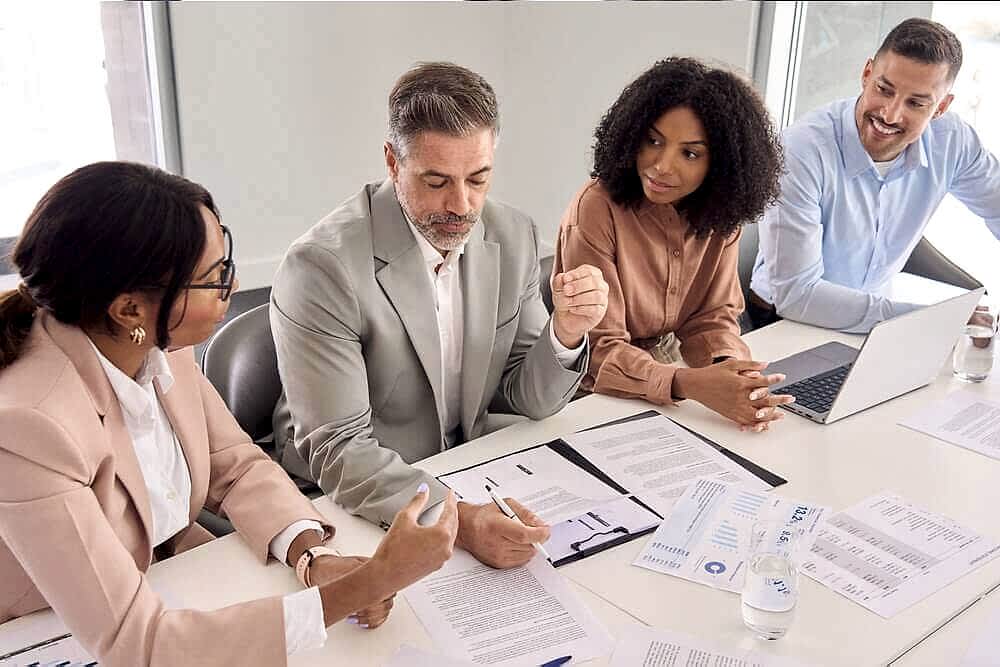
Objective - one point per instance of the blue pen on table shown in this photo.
(558, 662)
(509, 513)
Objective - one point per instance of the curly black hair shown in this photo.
(745, 154)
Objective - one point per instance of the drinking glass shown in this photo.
(771, 588)
(973, 356)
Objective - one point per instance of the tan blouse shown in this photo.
(661, 279)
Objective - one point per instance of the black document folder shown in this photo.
(622, 519)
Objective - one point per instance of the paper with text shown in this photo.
(963, 418)
(656, 459)
(886, 554)
(645, 647)
(706, 537)
(539, 478)
(522, 616)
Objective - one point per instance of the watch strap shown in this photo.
(305, 561)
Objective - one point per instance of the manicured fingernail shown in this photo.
(363, 625)
(761, 414)
(352, 620)
(754, 395)
(423, 488)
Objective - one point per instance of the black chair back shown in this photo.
(240, 362)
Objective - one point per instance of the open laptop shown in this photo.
(834, 380)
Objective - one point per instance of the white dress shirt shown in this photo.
(168, 481)
(450, 309)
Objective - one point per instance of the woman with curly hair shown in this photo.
(684, 157)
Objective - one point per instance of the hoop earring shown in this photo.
(138, 335)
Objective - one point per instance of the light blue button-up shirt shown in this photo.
(840, 231)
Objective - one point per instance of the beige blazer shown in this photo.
(352, 313)
(75, 518)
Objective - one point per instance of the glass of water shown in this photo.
(972, 360)
(771, 588)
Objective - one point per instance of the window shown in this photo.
(73, 91)
(954, 229)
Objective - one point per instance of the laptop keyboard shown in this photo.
(817, 392)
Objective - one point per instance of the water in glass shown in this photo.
(769, 595)
(973, 357)
(771, 587)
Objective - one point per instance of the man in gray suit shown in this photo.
(412, 308)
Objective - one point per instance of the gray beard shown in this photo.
(440, 239)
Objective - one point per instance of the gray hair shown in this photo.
(440, 97)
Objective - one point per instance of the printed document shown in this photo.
(522, 616)
(886, 554)
(612, 521)
(539, 478)
(964, 418)
(660, 648)
(657, 460)
(706, 537)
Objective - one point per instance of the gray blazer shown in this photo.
(352, 313)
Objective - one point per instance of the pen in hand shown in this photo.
(509, 513)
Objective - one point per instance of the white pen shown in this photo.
(509, 513)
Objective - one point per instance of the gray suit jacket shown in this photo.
(352, 313)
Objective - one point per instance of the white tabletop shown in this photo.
(836, 465)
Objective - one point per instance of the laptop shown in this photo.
(833, 380)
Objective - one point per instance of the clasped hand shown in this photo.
(735, 389)
(579, 300)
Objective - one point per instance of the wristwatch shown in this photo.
(306, 559)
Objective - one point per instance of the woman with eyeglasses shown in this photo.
(112, 440)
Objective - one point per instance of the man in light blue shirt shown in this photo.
(863, 177)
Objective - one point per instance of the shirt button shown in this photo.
(171, 495)
(673, 290)
(677, 253)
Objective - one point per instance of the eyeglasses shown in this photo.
(228, 276)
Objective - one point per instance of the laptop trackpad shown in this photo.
(811, 362)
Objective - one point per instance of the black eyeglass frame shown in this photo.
(225, 284)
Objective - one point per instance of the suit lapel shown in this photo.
(403, 277)
(480, 266)
(77, 347)
(177, 405)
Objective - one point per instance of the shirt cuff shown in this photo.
(304, 628)
(283, 541)
(566, 356)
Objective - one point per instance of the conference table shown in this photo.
(835, 465)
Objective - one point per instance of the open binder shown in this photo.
(615, 521)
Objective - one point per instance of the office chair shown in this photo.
(241, 363)
(748, 255)
(544, 280)
(929, 262)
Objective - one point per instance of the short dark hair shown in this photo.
(744, 154)
(925, 41)
(103, 230)
(440, 97)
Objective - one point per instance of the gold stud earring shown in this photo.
(138, 335)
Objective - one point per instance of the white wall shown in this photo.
(282, 105)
